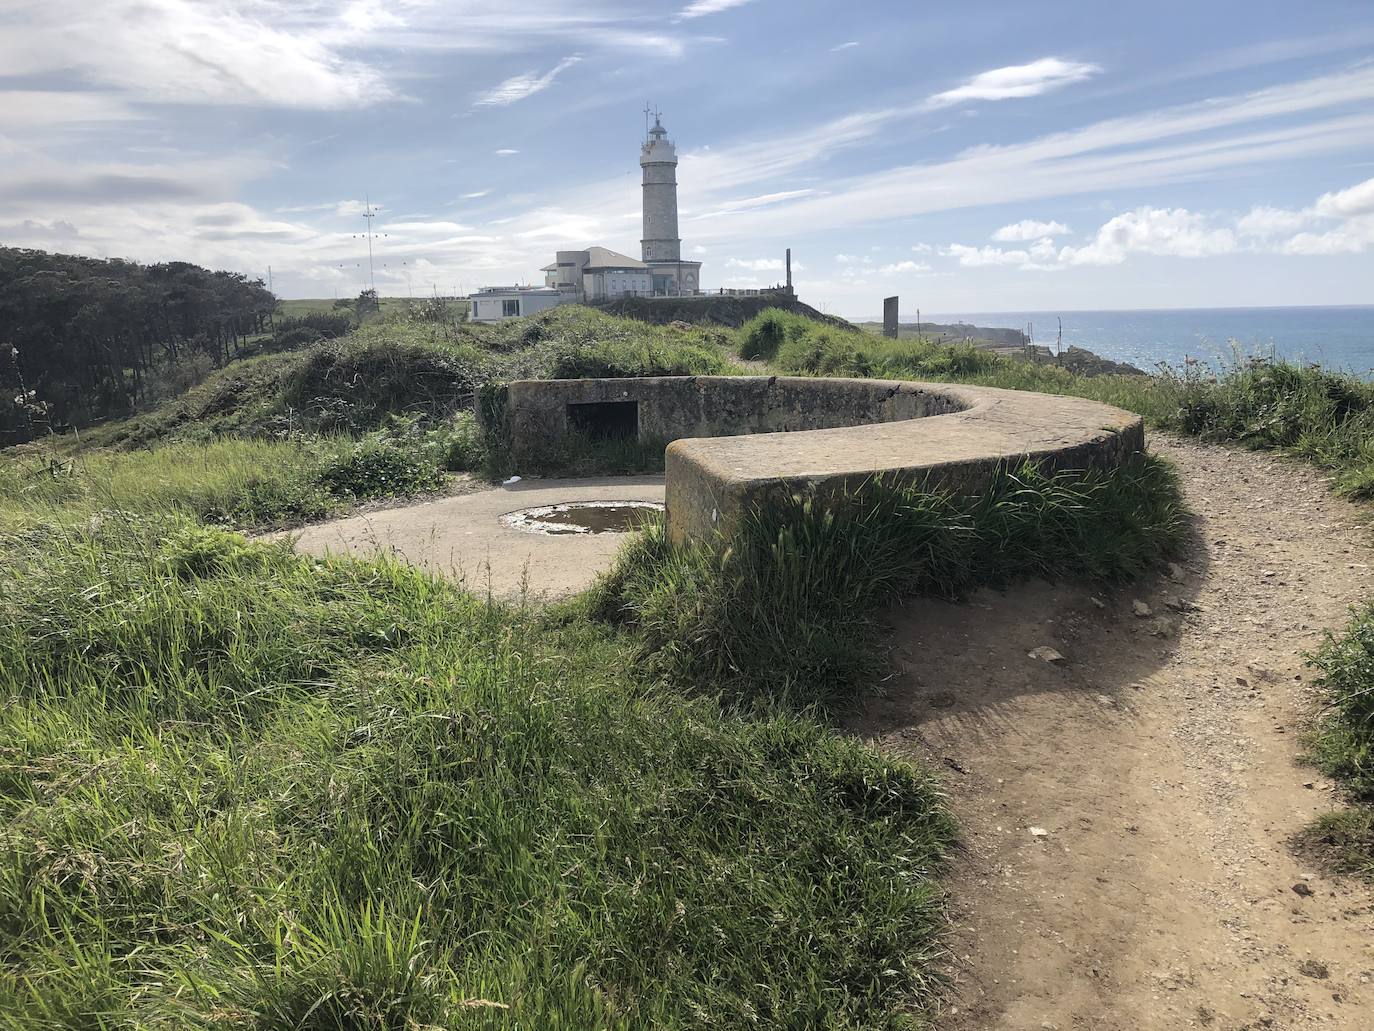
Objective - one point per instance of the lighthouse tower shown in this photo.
(658, 158)
(661, 248)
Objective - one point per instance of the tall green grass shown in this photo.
(787, 607)
(241, 788)
(231, 481)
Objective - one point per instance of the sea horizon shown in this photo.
(1338, 337)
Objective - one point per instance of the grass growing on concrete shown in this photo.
(241, 788)
(787, 608)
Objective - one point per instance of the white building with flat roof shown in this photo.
(494, 303)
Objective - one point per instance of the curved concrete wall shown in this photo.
(739, 439)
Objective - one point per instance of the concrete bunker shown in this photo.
(735, 441)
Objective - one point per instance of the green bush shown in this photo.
(382, 468)
(766, 332)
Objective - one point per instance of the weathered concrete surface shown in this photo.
(464, 538)
(752, 436)
(672, 407)
(713, 483)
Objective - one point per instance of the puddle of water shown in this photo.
(584, 517)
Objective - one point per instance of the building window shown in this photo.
(509, 308)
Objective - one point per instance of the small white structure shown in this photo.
(494, 303)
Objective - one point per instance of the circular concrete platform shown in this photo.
(465, 538)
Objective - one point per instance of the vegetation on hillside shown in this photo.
(85, 338)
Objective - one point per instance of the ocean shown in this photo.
(1338, 338)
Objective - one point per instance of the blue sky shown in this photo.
(978, 156)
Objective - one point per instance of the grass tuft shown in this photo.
(786, 608)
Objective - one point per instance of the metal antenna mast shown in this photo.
(369, 214)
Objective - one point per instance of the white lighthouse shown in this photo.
(661, 247)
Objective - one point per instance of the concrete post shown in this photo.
(890, 317)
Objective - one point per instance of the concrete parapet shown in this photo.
(737, 440)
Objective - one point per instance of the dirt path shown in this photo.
(1157, 768)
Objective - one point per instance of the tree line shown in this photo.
(83, 339)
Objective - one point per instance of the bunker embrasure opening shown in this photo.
(605, 420)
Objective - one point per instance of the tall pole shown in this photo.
(369, 214)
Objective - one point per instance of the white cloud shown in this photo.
(476, 194)
(1167, 231)
(1357, 200)
(1267, 222)
(1155, 148)
(1020, 80)
(845, 46)
(1355, 236)
(977, 257)
(1029, 229)
(701, 8)
(519, 87)
(902, 267)
(922, 248)
(506, 152)
(182, 51)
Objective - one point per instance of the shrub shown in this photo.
(762, 335)
(381, 468)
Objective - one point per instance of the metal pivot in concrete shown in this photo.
(739, 441)
(890, 317)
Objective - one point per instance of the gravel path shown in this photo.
(1127, 811)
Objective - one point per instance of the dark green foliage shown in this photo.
(241, 788)
(381, 468)
(86, 338)
(762, 335)
(786, 608)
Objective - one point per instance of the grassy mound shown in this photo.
(241, 788)
(407, 366)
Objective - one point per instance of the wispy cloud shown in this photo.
(519, 87)
(506, 152)
(1018, 80)
(476, 194)
(701, 8)
(845, 46)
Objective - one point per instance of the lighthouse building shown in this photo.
(599, 273)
